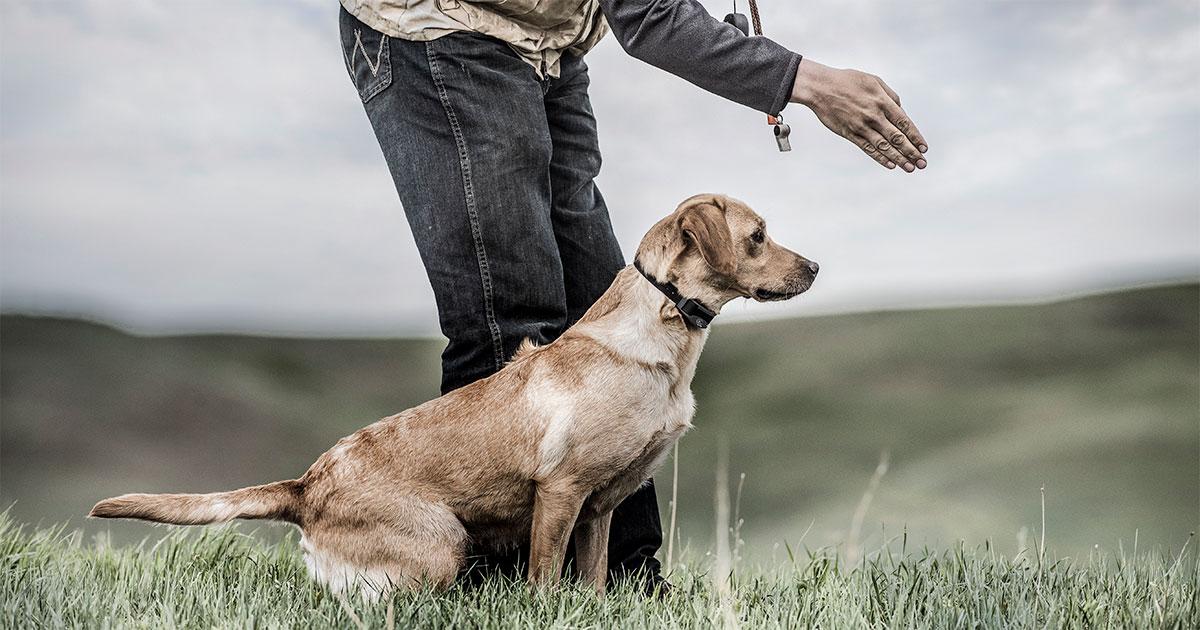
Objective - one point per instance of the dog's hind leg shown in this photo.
(422, 544)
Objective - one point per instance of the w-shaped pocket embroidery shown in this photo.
(358, 45)
(367, 60)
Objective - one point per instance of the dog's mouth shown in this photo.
(797, 281)
(772, 295)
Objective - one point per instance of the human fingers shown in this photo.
(884, 147)
(906, 126)
(897, 138)
(868, 146)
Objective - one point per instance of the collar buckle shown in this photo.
(695, 313)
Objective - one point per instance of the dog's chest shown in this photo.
(618, 485)
(619, 475)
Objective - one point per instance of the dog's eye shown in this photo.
(758, 236)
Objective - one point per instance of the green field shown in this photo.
(220, 578)
(1096, 399)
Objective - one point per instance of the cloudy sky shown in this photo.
(207, 165)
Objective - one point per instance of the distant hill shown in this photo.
(1096, 399)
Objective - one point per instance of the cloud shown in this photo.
(200, 165)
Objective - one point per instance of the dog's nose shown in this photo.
(812, 266)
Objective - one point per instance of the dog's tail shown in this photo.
(280, 501)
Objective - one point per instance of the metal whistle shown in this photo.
(782, 131)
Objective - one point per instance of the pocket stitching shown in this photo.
(383, 59)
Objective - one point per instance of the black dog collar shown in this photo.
(695, 315)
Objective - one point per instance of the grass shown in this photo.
(221, 577)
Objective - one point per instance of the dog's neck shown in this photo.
(693, 312)
(635, 320)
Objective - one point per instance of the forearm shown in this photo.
(680, 36)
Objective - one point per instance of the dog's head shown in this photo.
(715, 248)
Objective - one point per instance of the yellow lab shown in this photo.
(541, 450)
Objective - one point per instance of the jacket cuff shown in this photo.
(784, 95)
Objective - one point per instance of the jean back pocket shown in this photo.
(366, 54)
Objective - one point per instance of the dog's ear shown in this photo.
(703, 224)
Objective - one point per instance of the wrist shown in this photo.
(809, 81)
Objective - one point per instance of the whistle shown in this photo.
(782, 131)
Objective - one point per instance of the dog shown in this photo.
(538, 452)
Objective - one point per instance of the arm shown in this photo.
(679, 36)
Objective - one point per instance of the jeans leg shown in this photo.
(463, 129)
(591, 258)
(515, 244)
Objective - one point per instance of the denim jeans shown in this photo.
(495, 169)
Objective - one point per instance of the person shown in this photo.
(481, 109)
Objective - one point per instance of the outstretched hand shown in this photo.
(861, 108)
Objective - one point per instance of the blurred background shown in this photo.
(206, 277)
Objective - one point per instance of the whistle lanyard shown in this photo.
(739, 21)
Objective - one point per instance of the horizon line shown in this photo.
(924, 303)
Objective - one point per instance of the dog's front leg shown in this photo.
(555, 508)
(591, 551)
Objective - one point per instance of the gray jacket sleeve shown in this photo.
(681, 37)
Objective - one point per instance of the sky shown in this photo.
(189, 165)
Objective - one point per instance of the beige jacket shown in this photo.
(539, 30)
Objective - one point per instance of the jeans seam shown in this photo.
(464, 163)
